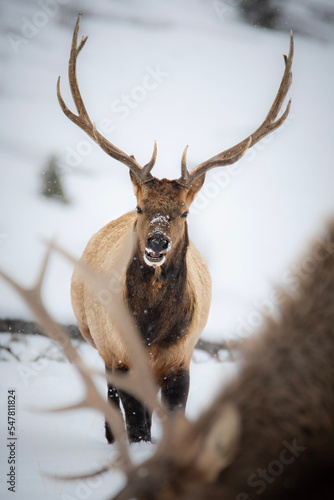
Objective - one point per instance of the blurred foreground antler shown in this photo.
(138, 381)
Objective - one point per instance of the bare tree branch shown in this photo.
(30, 327)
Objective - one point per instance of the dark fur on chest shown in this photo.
(159, 299)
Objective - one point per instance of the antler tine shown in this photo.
(270, 124)
(83, 120)
(72, 71)
(92, 397)
(184, 170)
(148, 167)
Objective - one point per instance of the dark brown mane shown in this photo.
(153, 294)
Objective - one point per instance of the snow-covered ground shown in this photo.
(70, 443)
(214, 81)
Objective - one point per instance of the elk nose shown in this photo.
(157, 243)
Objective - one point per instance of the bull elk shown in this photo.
(166, 284)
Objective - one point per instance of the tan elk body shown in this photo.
(166, 285)
(102, 332)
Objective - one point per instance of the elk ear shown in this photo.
(219, 445)
(135, 182)
(211, 447)
(194, 188)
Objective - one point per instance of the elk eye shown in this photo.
(139, 210)
(185, 214)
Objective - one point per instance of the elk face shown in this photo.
(161, 226)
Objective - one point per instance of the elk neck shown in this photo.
(159, 298)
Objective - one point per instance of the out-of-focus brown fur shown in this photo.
(283, 398)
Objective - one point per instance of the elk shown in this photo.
(166, 284)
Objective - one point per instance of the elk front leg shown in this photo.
(113, 397)
(138, 418)
(175, 388)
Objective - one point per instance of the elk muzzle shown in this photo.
(156, 247)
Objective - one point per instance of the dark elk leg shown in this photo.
(113, 397)
(138, 419)
(175, 388)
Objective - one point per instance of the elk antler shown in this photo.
(234, 153)
(139, 381)
(84, 122)
(92, 398)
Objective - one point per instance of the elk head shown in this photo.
(163, 205)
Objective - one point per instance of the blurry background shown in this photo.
(197, 72)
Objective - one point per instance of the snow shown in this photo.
(181, 73)
(53, 445)
(159, 220)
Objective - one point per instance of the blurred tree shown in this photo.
(309, 17)
(52, 186)
(261, 12)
